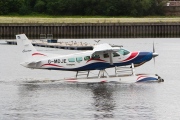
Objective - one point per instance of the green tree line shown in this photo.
(82, 7)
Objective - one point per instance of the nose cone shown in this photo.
(155, 55)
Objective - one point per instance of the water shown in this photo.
(38, 95)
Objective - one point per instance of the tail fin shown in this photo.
(30, 54)
(27, 49)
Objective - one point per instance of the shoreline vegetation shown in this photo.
(86, 19)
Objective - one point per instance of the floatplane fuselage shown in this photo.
(101, 57)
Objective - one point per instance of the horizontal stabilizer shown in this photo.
(31, 64)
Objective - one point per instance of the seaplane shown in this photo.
(102, 56)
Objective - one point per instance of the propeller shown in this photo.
(154, 54)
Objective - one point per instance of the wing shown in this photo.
(102, 48)
(105, 48)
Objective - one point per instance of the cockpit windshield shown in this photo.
(123, 52)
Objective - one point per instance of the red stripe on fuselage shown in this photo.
(132, 56)
(38, 54)
(54, 65)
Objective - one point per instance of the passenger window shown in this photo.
(79, 59)
(115, 54)
(71, 60)
(106, 55)
(95, 56)
(86, 58)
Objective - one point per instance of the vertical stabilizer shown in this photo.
(26, 47)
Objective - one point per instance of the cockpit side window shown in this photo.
(123, 52)
(106, 55)
(95, 56)
(115, 54)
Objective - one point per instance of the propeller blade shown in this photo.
(154, 54)
(154, 61)
(153, 48)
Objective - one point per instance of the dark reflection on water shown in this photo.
(103, 101)
(100, 97)
(29, 88)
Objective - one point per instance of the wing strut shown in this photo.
(82, 73)
(124, 70)
(101, 74)
(133, 70)
(111, 58)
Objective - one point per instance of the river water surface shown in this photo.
(27, 94)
